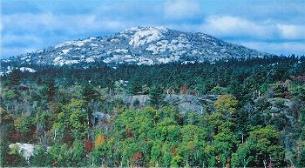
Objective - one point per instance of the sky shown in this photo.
(274, 26)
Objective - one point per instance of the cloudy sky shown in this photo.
(275, 26)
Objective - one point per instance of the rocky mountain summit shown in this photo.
(139, 45)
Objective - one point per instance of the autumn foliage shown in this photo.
(99, 140)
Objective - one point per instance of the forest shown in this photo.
(251, 114)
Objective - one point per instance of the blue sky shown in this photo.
(275, 26)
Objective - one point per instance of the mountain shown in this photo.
(139, 45)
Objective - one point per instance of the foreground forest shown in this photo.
(252, 113)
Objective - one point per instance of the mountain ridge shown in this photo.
(138, 45)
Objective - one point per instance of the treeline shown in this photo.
(200, 77)
(77, 117)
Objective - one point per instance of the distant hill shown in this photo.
(139, 45)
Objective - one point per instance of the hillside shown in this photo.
(213, 114)
(140, 46)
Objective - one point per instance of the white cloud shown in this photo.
(69, 23)
(45, 29)
(42, 30)
(181, 9)
(289, 31)
(261, 35)
(236, 26)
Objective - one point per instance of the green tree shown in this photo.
(15, 77)
(25, 125)
(78, 120)
(51, 89)
(73, 120)
(90, 93)
(222, 123)
(156, 96)
(40, 158)
(77, 155)
(193, 142)
(261, 149)
(59, 155)
(226, 104)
